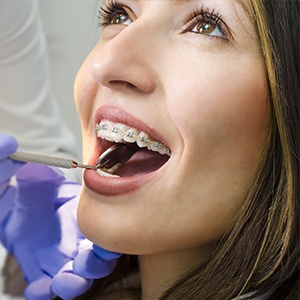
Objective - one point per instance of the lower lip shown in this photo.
(114, 186)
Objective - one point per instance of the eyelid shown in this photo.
(129, 12)
(111, 8)
(212, 16)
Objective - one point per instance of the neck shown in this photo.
(159, 272)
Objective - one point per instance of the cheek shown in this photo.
(227, 109)
(224, 123)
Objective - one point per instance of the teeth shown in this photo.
(159, 147)
(120, 133)
(130, 135)
(143, 140)
(105, 173)
(104, 130)
(117, 132)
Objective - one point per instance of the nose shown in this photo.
(126, 60)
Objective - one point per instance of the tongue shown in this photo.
(142, 162)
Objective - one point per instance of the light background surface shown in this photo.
(71, 29)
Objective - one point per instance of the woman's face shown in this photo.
(188, 74)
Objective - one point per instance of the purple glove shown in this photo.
(38, 226)
(91, 263)
(8, 168)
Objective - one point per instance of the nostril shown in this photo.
(116, 74)
(122, 84)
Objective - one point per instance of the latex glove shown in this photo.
(92, 262)
(38, 226)
(8, 168)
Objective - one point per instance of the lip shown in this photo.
(116, 186)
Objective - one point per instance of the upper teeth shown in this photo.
(120, 133)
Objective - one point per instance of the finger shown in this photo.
(105, 254)
(61, 239)
(7, 201)
(36, 173)
(68, 285)
(8, 145)
(39, 289)
(3, 187)
(51, 259)
(38, 186)
(67, 191)
(8, 169)
(88, 265)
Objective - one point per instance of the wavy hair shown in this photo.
(261, 254)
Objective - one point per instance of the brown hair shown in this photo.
(262, 251)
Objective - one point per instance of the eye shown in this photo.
(207, 23)
(208, 28)
(114, 13)
(120, 18)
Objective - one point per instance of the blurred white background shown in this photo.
(71, 29)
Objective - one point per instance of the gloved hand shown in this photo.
(38, 227)
(91, 263)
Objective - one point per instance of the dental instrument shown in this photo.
(107, 159)
(48, 160)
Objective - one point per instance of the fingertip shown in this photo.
(9, 168)
(105, 254)
(68, 285)
(88, 265)
(39, 290)
(8, 145)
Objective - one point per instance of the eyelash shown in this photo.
(110, 10)
(204, 15)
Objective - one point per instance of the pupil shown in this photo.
(206, 28)
(119, 19)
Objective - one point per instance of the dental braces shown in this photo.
(120, 133)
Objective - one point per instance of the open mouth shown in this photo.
(129, 152)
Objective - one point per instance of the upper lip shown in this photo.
(119, 115)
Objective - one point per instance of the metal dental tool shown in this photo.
(48, 160)
(117, 154)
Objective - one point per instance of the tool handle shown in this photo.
(43, 159)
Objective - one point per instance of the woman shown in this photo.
(214, 87)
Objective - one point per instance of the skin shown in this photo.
(208, 98)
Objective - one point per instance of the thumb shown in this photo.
(8, 145)
(39, 289)
(68, 285)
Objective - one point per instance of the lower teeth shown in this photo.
(106, 173)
